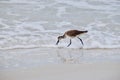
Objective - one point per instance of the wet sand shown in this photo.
(94, 71)
(22, 58)
(60, 64)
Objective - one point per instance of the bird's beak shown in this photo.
(57, 42)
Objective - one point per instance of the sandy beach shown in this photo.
(96, 71)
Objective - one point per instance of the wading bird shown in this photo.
(71, 34)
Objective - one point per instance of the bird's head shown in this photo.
(59, 38)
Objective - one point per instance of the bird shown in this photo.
(71, 34)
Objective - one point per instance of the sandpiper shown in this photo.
(71, 34)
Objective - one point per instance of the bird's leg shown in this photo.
(69, 43)
(57, 42)
(81, 40)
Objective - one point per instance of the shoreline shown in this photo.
(58, 48)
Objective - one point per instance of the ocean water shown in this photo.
(37, 23)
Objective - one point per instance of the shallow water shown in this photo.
(28, 23)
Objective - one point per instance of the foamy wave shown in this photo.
(20, 47)
(85, 4)
(18, 1)
(39, 24)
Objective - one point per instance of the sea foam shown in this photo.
(38, 23)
